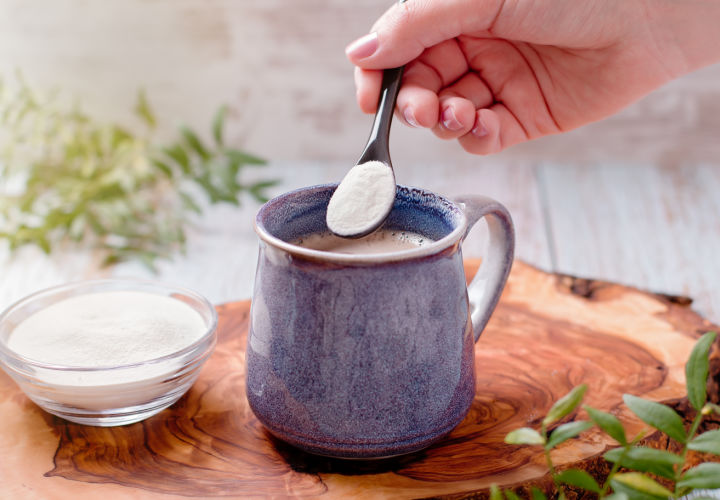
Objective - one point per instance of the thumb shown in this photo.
(407, 29)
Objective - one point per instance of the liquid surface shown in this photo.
(381, 241)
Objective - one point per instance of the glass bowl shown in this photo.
(108, 395)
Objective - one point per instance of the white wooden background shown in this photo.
(643, 225)
(634, 198)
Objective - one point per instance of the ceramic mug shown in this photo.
(372, 355)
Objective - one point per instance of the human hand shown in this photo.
(493, 73)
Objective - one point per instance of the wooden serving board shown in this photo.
(549, 333)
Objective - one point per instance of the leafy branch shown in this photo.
(66, 177)
(638, 463)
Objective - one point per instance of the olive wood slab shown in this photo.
(549, 333)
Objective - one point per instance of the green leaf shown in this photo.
(27, 204)
(143, 110)
(495, 493)
(110, 259)
(243, 158)
(257, 190)
(163, 167)
(712, 407)
(657, 415)
(696, 371)
(189, 202)
(58, 218)
(120, 136)
(215, 194)
(706, 475)
(194, 142)
(536, 494)
(524, 435)
(565, 405)
(638, 486)
(43, 243)
(566, 431)
(178, 154)
(707, 442)
(148, 260)
(659, 462)
(579, 478)
(608, 423)
(234, 166)
(109, 192)
(219, 124)
(511, 495)
(616, 496)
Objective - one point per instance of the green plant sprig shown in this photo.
(66, 177)
(638, 463)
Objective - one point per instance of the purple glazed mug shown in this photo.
(370, 355)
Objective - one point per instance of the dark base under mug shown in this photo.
(362, 451)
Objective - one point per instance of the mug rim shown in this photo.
(435, 247)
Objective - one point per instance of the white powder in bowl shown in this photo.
(362, 200)
(107, 329)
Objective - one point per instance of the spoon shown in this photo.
(365, 196)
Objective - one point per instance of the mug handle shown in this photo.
(486, 287)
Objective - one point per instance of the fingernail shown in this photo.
(409, 116)
(479, 129)
(363, 47)
(449, 120)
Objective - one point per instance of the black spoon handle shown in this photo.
(378, 147)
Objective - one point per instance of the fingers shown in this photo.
(407, 29)
(496, 128)
(442, 64)
(484, 138)
(417, 106)
(487, 130)
(464, 111)
(458, 105)
(457, 117)
(418, 102)
(367, 83)
(473, 88)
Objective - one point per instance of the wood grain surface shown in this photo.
(549, 333)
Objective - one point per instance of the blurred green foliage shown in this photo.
(67, 177)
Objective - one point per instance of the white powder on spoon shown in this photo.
(362, 200)
(107, 329)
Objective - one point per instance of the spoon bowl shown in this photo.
(364, 198)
